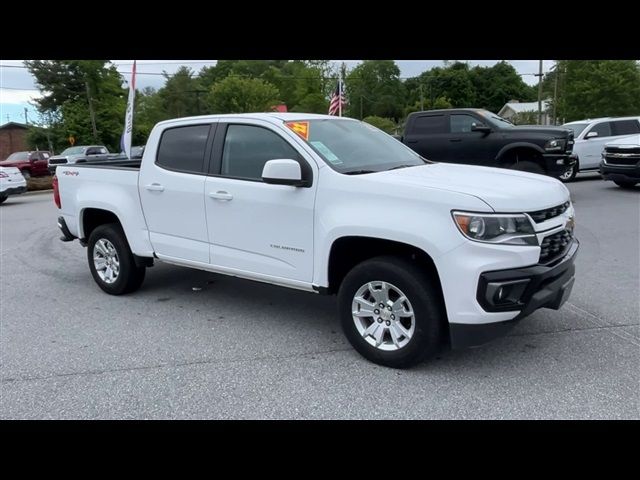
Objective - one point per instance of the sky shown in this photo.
(17, 86)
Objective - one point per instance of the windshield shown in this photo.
(356, 147)
(496, 120)
(576, 127)
(19, 156)
(73, 151)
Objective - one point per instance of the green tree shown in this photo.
(384, 124)
(239, 95)
(374, 88)
(498, 84)
(75, 93)
(595, 88)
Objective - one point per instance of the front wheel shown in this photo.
(527, 166)
(391, 312)
(111, 262)
(26, 174)
(625, 184)
(570, 174)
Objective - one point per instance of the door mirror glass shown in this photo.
(591, 135)
(282, 172)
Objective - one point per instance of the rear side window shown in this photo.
(247, 148)
(625, 127)
(182, 148)
(603, 129)
(429, 124)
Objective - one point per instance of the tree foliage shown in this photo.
(384, 124)
(238, 95)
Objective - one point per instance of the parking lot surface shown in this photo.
(191, 344)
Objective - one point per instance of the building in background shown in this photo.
(13, 138)
(526, 113)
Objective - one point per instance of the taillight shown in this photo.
(56, 192)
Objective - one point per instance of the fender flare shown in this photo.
(507, 148)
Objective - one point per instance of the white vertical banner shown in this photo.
(128, 119)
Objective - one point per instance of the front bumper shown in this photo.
(14, 190)
(545, 286)
(621, 173)
(557, 163)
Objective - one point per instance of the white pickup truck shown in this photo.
(422, 255)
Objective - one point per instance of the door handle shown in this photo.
(155, 187)
(221, 195)
(455, 139)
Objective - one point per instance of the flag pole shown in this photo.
(340, 91)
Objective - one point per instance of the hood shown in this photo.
(555, 131)
(632, 141)
(502, 189)
(10, 163)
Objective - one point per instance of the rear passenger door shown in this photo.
(428, 135)
(171, 186)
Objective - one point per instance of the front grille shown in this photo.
(622, 156)
(547, 213)
(57, 161)
(554, 246)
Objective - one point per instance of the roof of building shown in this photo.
(13, 125)
(521, 107)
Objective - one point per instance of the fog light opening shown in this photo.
(505, 293)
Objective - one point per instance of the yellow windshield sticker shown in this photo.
(301, 128)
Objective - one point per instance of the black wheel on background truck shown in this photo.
(527, 166)
(391, 312)
(26, 174)
(3, 198)
(570, 174)
(111, 262)
(624, 184)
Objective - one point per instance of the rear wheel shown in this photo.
(3, 198)
(528, 166)
(111, 262)
(391, 312)
(624, 184)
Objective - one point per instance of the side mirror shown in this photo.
(283, 172)
(591, 135)
(480, 128)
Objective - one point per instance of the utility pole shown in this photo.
(8, 118)
(26, 118)
(91, 112)
(540, 93)
(361, 107)
(555, 96)
(421, 98)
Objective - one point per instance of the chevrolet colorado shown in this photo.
(420, 254)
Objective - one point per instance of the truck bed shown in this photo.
(119, 162)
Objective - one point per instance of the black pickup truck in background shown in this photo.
(479, 137)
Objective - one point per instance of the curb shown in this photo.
(36, 192)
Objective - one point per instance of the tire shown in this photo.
(527, 166)
(127, 277)
(3, 198)
(624, 184)
(425, 328)
(570, 174)
(26, 174)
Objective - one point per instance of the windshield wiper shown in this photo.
(359, 172)
(403, 166)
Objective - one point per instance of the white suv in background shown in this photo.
(591, 136)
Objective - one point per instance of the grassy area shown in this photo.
(39, 183)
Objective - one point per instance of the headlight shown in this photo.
(555, 145)
(503, 229)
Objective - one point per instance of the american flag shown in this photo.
(337, 101)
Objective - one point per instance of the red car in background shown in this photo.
(31, 164)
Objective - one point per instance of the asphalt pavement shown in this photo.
(191, 344)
